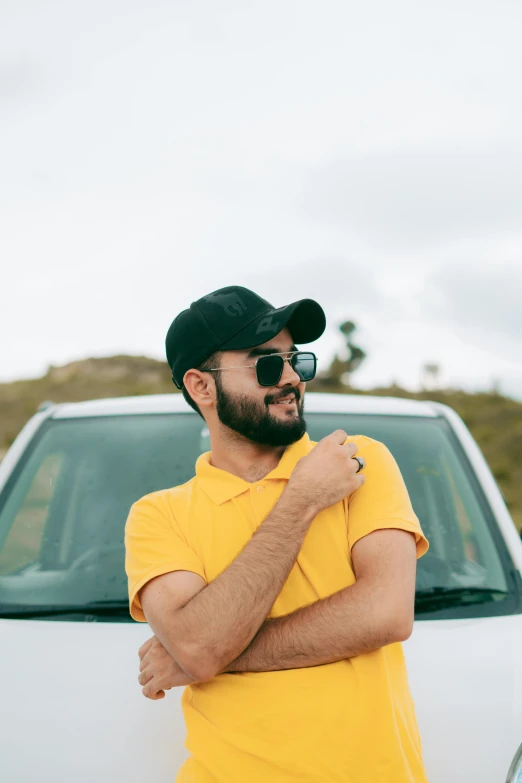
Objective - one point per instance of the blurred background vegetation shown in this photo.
(494, 420)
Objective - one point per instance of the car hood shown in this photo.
(72, 708)
(466, 681)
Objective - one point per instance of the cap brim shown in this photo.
(305, 320)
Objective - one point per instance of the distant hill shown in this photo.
(494, 420)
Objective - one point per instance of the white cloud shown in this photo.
(411, 198)
(482, 305)
(151, 153)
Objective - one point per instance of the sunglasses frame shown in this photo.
(289, 354)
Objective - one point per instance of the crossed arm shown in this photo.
(376, 610)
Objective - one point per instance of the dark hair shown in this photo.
(210, 363)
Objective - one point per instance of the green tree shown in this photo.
(340, 370)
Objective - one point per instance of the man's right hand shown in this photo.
(159, 672)
(327, 474)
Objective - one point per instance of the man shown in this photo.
(280, 580)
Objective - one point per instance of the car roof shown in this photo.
(316, 402)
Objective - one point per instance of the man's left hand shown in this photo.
(159, 672)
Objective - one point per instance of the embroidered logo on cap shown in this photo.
(267, 325)
(232, 304)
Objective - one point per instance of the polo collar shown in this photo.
(220, 485)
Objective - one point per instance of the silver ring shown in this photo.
(362, 463)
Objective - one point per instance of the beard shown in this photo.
(254, 420)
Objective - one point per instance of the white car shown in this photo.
(71, 705)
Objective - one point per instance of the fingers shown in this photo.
(338, 436)
(151, 684)
(154, 687)
(151, 688)
(145, 676)
(351, 448)
(146, 647)
(151, 691)
(155, 696)
(357, 467)
(361, 463)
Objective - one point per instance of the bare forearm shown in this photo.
(221, 620)
(348, 623)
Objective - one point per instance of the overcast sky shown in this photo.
(367, 155)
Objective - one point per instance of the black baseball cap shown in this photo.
(233, 318)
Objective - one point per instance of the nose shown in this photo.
(289, 375)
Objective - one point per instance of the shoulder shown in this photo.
(162, 497)
(375, 450)
(361, 441)
(379, 458)
(167, 504)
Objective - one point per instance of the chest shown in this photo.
(322, 567)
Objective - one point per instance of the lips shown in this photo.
(288, 400)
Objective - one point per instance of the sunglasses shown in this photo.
(269, 369)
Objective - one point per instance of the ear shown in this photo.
(201, 387)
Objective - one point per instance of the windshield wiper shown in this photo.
(427, 600)
(94, 610)
(435, 598)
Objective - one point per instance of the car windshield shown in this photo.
(63, 510)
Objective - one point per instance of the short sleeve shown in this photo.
(154, 545)
(383, 500)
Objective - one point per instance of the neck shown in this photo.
(236, 454)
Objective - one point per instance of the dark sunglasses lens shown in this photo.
(304, 364)
(269, 370)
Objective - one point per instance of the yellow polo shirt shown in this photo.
(352, 721)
